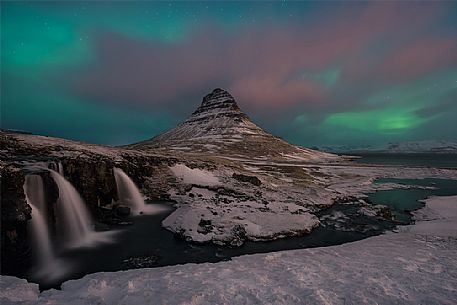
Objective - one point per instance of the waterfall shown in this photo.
(48, 265)
(129, 194)
(60, 168)
(56, 166)
(74, 219)
(34, 194)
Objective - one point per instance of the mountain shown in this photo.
(422, 147)
(442, 147)
(218, 126)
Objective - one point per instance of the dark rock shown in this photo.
(145, 261)
(15, 212)
(384, 212)
(125, 223)
(122, 211)
(244, 178)
(204, 222)
(239, 235)
(205, 226)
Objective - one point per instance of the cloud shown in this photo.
(373, 46)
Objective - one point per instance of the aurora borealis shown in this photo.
(313, 73)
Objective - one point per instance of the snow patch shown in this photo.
(194, 175)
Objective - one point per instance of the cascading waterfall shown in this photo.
(34, 194)
(129, 194)
(75, 218)
(57, 166)
(48, 266)
(73, 224)
(60, 168)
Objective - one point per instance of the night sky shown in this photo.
(313, 73)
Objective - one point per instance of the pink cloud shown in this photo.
(372, 44)
(271, 92)
(419, 58)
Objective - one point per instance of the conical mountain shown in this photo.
(219, 127)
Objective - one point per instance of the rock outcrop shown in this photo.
(15, 212)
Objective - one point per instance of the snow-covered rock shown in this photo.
(14, 290)
(194, 175)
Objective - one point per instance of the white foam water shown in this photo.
(74, 222)
(129, 194)
(47, 265)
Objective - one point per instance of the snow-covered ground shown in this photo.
(417, 265)
(194, 175)
(214, 207)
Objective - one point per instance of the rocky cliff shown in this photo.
(88, 167)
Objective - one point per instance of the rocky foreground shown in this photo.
(415, 266)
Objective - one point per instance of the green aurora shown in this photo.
(120, 72)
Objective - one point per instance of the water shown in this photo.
(34, 194)
(74, 222)
(129, 194)
(416, 159)
(403, 201)
(147, 244)
(47, 267)
(57, 166)
(60, 168)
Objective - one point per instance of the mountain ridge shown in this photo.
(435, 146)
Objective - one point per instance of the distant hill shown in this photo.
(441, 147)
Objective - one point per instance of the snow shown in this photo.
(395, 268)
(269, 226)
(441, 218)
(211, 146)
(225, 223)
(13, 289)
(194, 175)
(180, 148)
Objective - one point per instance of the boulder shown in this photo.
(245, 178)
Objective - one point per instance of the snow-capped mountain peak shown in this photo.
(219, 126)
